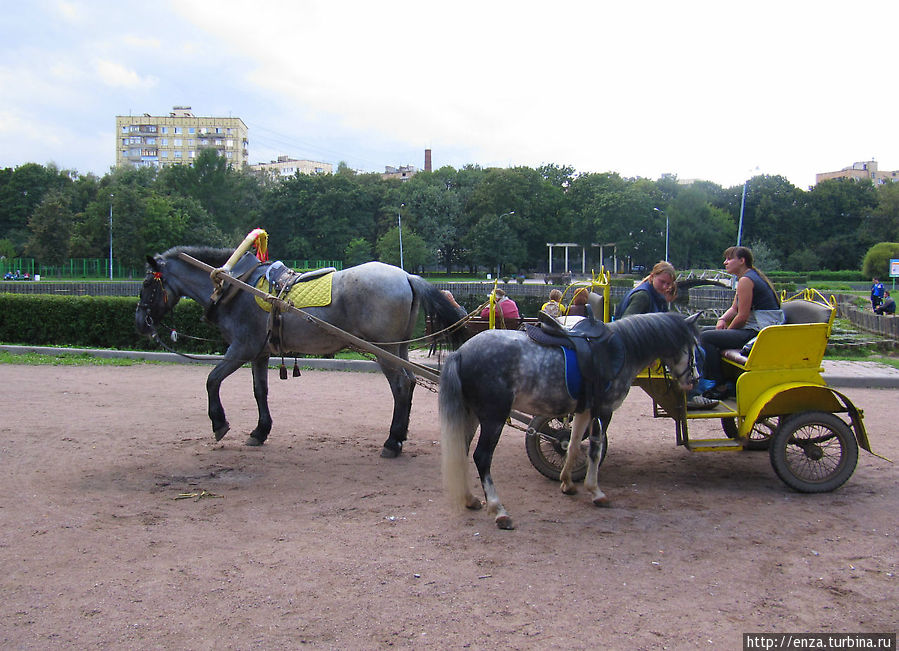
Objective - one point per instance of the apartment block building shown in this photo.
(862, 170)
(286, 166)
(177, 138)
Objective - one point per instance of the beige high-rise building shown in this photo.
(862, 170)
(176, 139)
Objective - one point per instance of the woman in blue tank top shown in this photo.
(755, 306)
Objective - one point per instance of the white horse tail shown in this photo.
(457, 426)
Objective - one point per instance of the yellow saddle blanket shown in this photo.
(310, 293)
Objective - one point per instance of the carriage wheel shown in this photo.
(548, 444)
(814, 452)
(760, 434)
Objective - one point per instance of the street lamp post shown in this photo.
(742, 207)
(499, 267)
(399, 222)
(662, 212)
(110, 235)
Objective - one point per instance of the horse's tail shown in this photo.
(439, 308)
(456, 432)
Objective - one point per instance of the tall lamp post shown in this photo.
(742, 207)
(399, 222)
(662, 212)
(110, 235)
(499, 266)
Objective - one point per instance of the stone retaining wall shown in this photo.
(883, 325)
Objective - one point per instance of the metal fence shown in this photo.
(81, 268)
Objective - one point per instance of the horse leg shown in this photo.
(483, 457)
(597, 439)
(214, 381)
(580, 423)
(402, 383)
(260, 392)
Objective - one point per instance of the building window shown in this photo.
(178, 142)
(190, 142)
(229, 143)
(165, 142)
(229, 154)
(192, 154)
(191, 130)
(165, 129)
(178, 153)
(178, 130)
(151, 141)
(164, 154)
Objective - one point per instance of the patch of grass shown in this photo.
(66, 359)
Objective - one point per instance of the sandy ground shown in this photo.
(314, 539)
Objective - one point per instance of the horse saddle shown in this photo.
(282, 278)
(599, 352)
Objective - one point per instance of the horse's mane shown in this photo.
(653, 334)
(212, 256)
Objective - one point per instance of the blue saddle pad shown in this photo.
(572, 373)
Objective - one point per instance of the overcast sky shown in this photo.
(718, 90)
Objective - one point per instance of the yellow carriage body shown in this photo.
(779, 377)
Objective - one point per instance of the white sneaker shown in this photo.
(701, 402)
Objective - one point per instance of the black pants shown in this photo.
(713, 342)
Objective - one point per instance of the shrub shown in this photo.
(97, 322)
(877, 260)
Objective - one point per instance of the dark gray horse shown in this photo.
(500, 370)
(373, 301)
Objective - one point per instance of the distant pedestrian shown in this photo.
(888, 306)
(876, 293)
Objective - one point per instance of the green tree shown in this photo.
(699, 231)
(50, 226)
(495, 244)
(415, 250)
(357, 252)
(839, 212)
(884, 223)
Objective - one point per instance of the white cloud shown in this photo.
(115, 74)
(701, 88)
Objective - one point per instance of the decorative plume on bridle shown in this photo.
(261, 244)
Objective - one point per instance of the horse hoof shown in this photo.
(390, 453)
(569, 489)
(253, 443)
(602, 502)
(221, 431)
(473, 504)
(504, 522)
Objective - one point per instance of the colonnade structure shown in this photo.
(570, 245)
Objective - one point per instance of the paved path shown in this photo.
(838, 374)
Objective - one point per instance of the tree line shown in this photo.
(452, 219)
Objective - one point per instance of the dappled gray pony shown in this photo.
(500, 370)
(373, 301)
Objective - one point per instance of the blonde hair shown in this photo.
(555, 295)
(664, 267)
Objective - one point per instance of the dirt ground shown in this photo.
(314, 539)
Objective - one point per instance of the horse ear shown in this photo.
(151, 262)
(693, 318)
